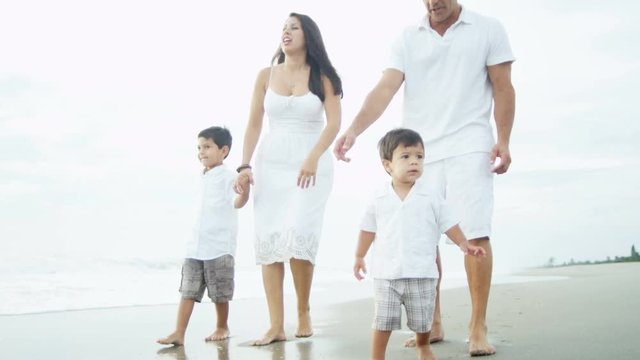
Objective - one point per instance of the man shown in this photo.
(455, 64)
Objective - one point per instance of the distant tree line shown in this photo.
(618, 259)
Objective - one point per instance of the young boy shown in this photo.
(209, 258)
(405, 222)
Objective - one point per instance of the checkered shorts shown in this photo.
(418, 297)
(216, 275)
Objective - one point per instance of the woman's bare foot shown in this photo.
(304, 325)
(437, 335)
(219, 334)
(270, 337)
(173, 339)
(479, 344)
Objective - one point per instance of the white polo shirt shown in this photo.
(216, 227)
(407, 232)
(447, 92)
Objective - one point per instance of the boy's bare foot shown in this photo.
(173, 339)
(424, 353)
(479, 344)
(219, 334)
(437, 335)
(270, 337)
(304, 325)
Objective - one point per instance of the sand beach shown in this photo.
(577, 312)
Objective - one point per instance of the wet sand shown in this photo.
(591, 312)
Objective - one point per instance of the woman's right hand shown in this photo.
(243, 181)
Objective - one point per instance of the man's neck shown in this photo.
(442, 27)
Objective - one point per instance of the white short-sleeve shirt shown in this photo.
(407, 232)
(216, 226)
(447, 93)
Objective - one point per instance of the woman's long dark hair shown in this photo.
(317, 58)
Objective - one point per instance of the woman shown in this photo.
(293, 170)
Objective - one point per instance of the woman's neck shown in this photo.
(293, 63)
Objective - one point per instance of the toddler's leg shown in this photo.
(184, 314)
(379, 344)
(222, 327)
(423, 348)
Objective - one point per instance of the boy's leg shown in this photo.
(272, 280)
(437, 331)
(379, 344)
(222, 326)
(302, 271)
(219, 275)
(184, 314)
(192, 285)
(423, 349)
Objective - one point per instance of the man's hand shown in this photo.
(343, 144)
(500, 151)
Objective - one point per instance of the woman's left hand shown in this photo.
(307, 175)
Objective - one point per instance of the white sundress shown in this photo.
(288, 219)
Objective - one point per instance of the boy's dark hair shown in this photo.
(391, 140)
(219, 135)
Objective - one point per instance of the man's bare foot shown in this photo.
(270, 337)
(173, 339)
(479, 344)
(424, 353)
(304, 326)
(437, 335)
(219, 334)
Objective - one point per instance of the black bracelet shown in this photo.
(242, 167)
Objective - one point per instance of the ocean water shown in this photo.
(66, 283)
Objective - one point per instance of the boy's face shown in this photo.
(209, 154)
(406, 164)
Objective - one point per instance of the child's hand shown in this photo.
(473, 250)
(243, 181)
(359, 268)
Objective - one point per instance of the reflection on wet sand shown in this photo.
(177, 352)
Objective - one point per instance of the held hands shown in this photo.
(359, 268)
(243, 181)
(307, 175)
(343, 144)
(500, 151)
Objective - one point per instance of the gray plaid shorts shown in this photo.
(418, 297)
(216, 275)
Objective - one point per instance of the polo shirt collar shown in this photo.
(465, 17)
(418, 188)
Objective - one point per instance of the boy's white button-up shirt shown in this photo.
(216, 226)
(447, 94)
(407, 232)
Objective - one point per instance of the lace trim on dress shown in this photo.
(282, 246)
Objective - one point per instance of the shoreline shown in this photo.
(321, 285)
(592, 314)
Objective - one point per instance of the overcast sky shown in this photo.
(101, 102)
